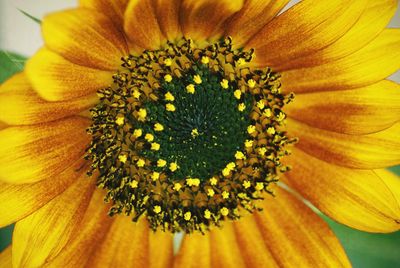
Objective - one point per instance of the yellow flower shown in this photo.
(106, 58)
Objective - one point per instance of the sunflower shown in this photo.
(141, 120)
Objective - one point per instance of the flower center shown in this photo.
(188, 136)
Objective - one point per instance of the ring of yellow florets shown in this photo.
(188, 136)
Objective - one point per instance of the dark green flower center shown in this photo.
(188, 136)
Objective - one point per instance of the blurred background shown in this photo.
(19, 34)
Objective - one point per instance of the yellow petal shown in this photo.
(296, 236)
(374, 62)
(168, 17)
(254, 15)
(358, 198)
(92, 230)
(6, 258)
(43, 234)
(372, 21)
(114, 9)
(360, 111)
(141, 24)
(34, 153)
(21, 105)
(377, 150)
(202, 19)
(20, 200)
(85, 37)
(161, 249)
(56, 79)
(194, 247)
(305, 28)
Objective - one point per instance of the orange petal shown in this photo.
(33, 153)
(377, 150)
(6, 258)
(56, 79)
(372, 21)
(141, 24)
(305, 28)
(296, 236)
(92, 230)
(20, 200)
(21, 105)
(374, 62)
(202, 19)
(114, 9)
(43, 234)
(254, 15)
(360, 111)
(85, 37)
(358, 198)
(194, 247)
(168, 17)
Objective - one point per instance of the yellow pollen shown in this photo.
(246, 184)
(248, 143)
(155, 176)
(168, 78)
(241, 107)
(140, 163)
(237, 93)
(226, 172)
(169, 97)
(225, 195)
(280, 116)
(267, 112)
(155, 146)
(260, 104)
(168, 62)
(240, 62)
(231, 166)
(224, 211)
(120, 120)
(224, 84)
(133, 184)
(193, 182)
(190, 89)
(262, 151)
(210, 192)
(173, 166)
(122, 158)
(205, 60)
(251, 83)
(251, 129)
(158, 127)
(137, 132)
(149, 137)
(239, 155)
(136, 94)
(187, 216)
(195, 132)
(170, 107)
(207, 214)
(213, 181)
(259, 186)
(157, 209)
(197, 79)
(142, 113)
(177, 186)
(271, 130)
(161, 163)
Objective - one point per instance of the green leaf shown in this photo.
(30, 16)
(10, 63)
